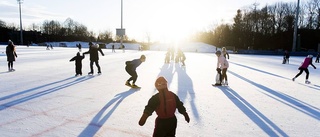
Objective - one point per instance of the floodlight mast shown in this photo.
(21, 34)
(294, 45)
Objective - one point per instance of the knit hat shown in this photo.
(310, 56)
(218, 52)
(160, 83)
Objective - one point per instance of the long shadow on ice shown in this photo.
(262, 71)
(24, 97)
(316, 86)
(255, 115)
(285, 99)
(100, 118)
(185, 88)
(167, 72)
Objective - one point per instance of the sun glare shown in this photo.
(174, 23)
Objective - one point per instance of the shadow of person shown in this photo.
(99, 119)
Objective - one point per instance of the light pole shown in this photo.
(21, 36)
(121, 40)
(294, 45)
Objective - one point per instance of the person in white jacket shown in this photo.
(222, 65)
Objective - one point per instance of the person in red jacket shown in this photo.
(165, 104)
(304, 67)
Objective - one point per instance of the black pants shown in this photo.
(165, 127)
(10, 64)
(97, 64)
(79, 69)
(132, 73)
(301, 70)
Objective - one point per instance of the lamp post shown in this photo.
(21, 36)
(121, 40)
(294, 45)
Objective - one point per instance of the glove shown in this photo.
(218, 69)
(143, 119)
(186, 117)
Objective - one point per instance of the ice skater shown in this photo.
(225, 53)
(78, 62)
(304, 67)
(317, 58)
(165, 104)
(11, 55)
(286, 57)
(222, 65)
(131, 67)
(94, 56)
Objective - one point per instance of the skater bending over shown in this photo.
(222, 65)
(304, 67)
(165, 104)
(131, 67)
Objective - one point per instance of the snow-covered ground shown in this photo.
(44, 98)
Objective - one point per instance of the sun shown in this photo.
(173, 23)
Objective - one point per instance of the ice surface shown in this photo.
(44, 98)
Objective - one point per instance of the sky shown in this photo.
(43, 98)
(164, 20)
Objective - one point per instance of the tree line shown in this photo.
(268, 28)
(51, 31)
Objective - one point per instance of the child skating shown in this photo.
(304, 67)
(165, 104)
(78, 62)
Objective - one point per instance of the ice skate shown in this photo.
(226, 83)
(293, 79)
(90, 73)
(99, 72)
(128, 83)
(307, 82)
(134, 86)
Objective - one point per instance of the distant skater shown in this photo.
(286, 57)
(222, 65)
(304, 67)
(113, 50)
(78, 62)
(94, 56)
(131, 67)
(165, 104)
(317, 58)
(225, 53)
(79, 47)
(11, 55)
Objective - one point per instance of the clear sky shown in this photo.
(160, 19)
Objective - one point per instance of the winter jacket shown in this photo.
(222, 62)
(78, 59)
(165, 104)
(134, 64)
(305, 64)
(11, 53)
(93, 51)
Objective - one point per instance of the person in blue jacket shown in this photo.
(131, 67)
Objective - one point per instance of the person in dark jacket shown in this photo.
(94, 56)
(11, 55)
(317, 58)
(304, 67)
(78, 59)
(165, 104)
(131, 67)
